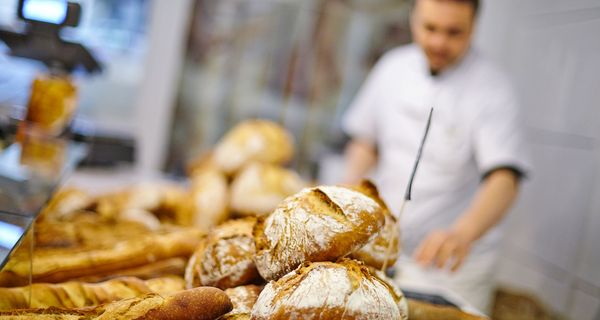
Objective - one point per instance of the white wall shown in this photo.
(551, 49)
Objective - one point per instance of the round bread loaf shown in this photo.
(317, 224)
(253, 140)
(327, 290)
(259, 188)
(224, 257)
(382, 250)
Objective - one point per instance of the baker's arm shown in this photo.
(491, 203)
(361, 156)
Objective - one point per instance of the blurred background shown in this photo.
(179, 74)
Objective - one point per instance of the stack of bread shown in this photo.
(246, 239)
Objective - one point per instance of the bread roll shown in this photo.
(259, 188)
(317, 224)
(253, 141)
(327, 290)
(76, 294)
(199, 303)
(243, 299)
(379, 249)
(210, 198)
(59, 265)
(224, 258)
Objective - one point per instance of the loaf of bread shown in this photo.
(384, 249)
(209, 194)
(224, 258)
(76, 294)
(203, 303)
(163, 268)
(327, 290)
(59, 265)
(253, 141)
(317, 224)
(259, 188)
(243, 299)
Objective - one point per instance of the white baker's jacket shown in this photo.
(475, 128)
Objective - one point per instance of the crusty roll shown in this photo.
(203, 303)
(224, 258)
(253, 140)
(76, 294)
(385, 247)
(327, 290)
(209, 194)
(243, 299)
(259, 188)
(59, 265)
(317, 224)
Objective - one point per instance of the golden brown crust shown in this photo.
(224, 258)
(158, 269)
(209, 194)
(327, 290)
(75, 294)
(378, 252)
(59, 265)
(259, 188)
(318, 224)
(253, 141)
(198, 303)
(243, 299)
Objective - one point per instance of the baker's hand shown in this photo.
(442, 248)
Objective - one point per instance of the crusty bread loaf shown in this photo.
(253, 140)
(382, 250)
(76, 294)
(59, 265)
(317, 224)
(419, 310)
(243, 299)
(259, 188)
(327, 290)
(163, 268)
(224, 258)
(209, 195)
(203, 303)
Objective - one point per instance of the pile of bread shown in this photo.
(246, 239)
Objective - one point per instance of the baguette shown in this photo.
(158, 269)
(203, 303)
(59, 265)
(76, 294)
(317, 224)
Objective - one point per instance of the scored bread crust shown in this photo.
(224, 258)
(385, 248)
(317, 224)
(327, 290)
(205, 303)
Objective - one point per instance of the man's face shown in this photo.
(443, 29)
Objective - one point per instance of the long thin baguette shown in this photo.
(76, 294)
(163, 268)
(203, 303)
(59, 265)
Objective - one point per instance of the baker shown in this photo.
(474, 157)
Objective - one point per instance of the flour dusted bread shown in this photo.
(199, 303)
(259, 188)
(243, 299)
(382, 250)
(250, 141)
(75, 294)
(327, 290)
(317, 224)
(224, 258)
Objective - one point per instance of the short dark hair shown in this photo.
(473, 3)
